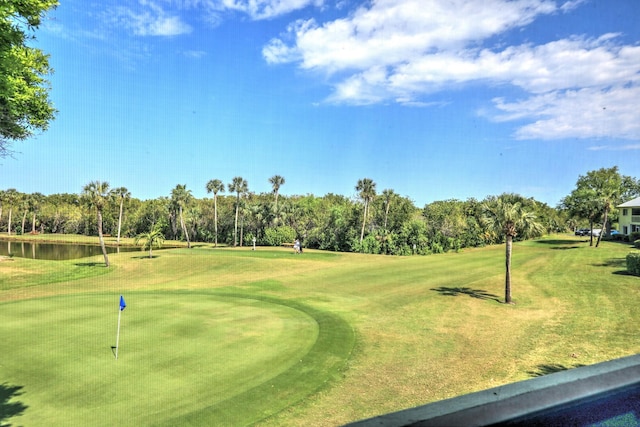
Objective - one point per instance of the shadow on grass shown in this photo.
(613, 262)
(558, 242)
(90, 264)
(146, 257)
(622, 273)
(545, 369)
(8, 408)
(473, 293)
(562, 248)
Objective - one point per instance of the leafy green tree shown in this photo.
(239, 186)
(509, 220)
(121, 194)
(606, 184)
(25, 107)
(596, 195)
(215, 186)
(151, 239)
(583, 203)
(276, 182)
(181, 197)
(366, 189)
(95, 195)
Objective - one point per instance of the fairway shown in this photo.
(237, 337)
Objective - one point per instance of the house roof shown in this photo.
(633, 203)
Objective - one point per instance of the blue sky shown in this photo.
(434, 99)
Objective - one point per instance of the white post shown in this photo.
(118, 333)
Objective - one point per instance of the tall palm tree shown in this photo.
(25, 204)
(215, 186)
(388, 196)
(181, 196)
(36, 200)
(2, 201)
(11, 196)
(276, 182)
(239, 186)
(121, 194)
(151, 239)
(366, 189)
(509, 219)
(95, 195)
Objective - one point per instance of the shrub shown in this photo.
(636, 244)
(633, 263)
(634, 236)
(279, 235)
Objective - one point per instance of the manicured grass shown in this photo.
(425, 328)
(185, 358)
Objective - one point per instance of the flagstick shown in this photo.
(118, 334)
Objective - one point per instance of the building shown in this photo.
(629, 218)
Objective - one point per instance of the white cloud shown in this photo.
(266, 9)
(400, 51)
(151, 20)
(583, 113)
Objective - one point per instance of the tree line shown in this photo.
(372, 222)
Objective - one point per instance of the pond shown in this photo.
(54, 251)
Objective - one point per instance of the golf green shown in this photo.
(184, 358)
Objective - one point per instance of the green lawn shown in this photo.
(234, 337)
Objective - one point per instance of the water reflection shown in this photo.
(54, 251)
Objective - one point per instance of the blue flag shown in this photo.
(122, 303)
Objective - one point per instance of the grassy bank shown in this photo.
(425, 328)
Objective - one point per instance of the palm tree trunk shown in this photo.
(120, 220)
(507, 279)
(24, 220)
(9, 223)
(215, 219)
(386, 215)
(184, 229)
(101, 238)
(235, 231)
(33, 224)
(364, 220)
(604, 226)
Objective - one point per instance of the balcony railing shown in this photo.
(606, 393)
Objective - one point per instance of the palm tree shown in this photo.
(36, 200)
(2, 200)
(239, 186)
(25, 204)
(388, 197)
(150, 239)
(366, 189)
(509, 219)
(95, 195)
(181, 197)
(215, 186)
(122, 194)
(10, 196)
(276, 181)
